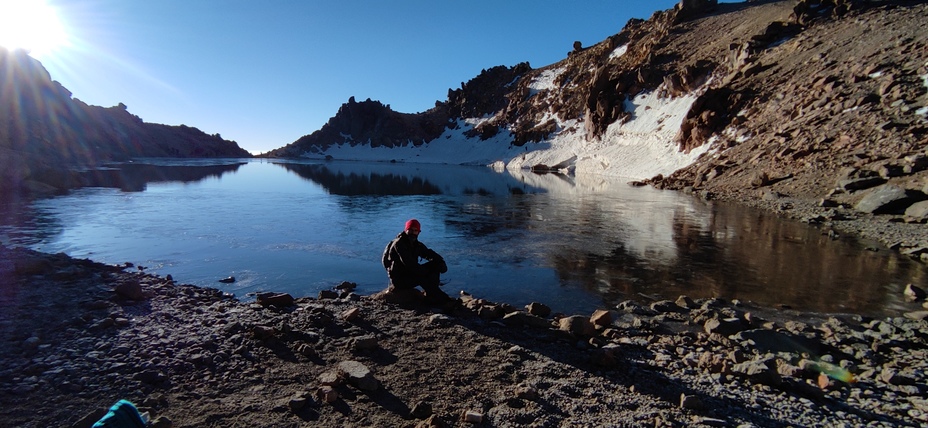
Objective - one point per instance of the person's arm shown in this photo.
(432, 256)
(427, 253)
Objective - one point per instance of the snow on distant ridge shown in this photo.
(639, 148)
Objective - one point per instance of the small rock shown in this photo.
(713, 422)
(327, 394)
(526, 393)
(473, 417)
(346, 286)
(665, 306)
(31, 343)
(307, 350)
(421, 410)
(364, 343)
(131, 290)
(432, 422)
(327, 295)
(913, 293)
(760, 179)
(538, 309)
(522, 318)
(351, 314)
(162, 422)
(329, 378)
(825, 382)
(918, 210)
(601, 317)
(690, 402)
(725, 326)
(686, 303)
(917, 315)
(893, 377)
(261, 332)
(297, 402)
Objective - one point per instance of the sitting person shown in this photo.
(401, 260)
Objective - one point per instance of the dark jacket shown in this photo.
(401, 257)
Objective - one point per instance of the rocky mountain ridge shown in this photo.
(45, 133)
(789, 97)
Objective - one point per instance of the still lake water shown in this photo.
(573, 243)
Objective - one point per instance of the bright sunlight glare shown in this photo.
(31, 25)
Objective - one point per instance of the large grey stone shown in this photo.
(888, 199)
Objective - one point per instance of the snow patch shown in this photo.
(544, 81)
(641, 147)
(618, 52)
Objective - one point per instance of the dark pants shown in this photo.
(427, 276)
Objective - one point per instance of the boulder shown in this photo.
(327, 295)
(578, 325)
(359, 375)
(364, 343)
(686, 303)
(131, 290)
(918, 210)
(913, 293)
(327, 394)
(279, 300)
(888, 199)
(916, 315)
(538, 309)
(725, 326)
(691, 402)
(758, 372)
(601, 317)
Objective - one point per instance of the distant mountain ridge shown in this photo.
(44, 132)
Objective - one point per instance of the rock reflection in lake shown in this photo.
(575, 243)
(135, 176)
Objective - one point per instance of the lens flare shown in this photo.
(31, 25)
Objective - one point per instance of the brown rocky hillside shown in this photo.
(793, 95)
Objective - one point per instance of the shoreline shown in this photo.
(81, 335)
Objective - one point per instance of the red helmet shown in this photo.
(413, 224)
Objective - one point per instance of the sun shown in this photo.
(32, 25)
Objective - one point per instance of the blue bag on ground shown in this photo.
(123, 414)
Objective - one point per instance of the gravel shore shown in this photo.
(79, 335)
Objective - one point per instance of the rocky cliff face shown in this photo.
(794, 95)
(44, 133)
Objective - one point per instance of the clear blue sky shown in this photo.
(264, 73)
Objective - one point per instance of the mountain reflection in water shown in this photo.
(575, 243)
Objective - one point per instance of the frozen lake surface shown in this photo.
(574, 243)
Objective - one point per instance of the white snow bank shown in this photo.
(640, 148)
(619, 51)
